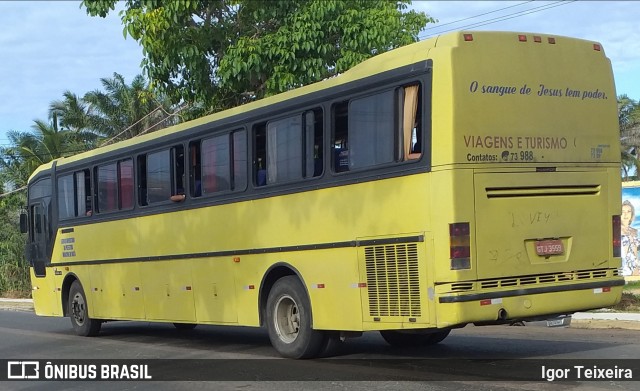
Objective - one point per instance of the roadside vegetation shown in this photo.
(630, 298)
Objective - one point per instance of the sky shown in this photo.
(49, 47)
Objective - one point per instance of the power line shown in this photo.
(475, 16)
(503, 17)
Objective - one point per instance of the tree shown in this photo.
(119, 112)
(14, 270)
(28, 150)
(223, 53)
(629, 121)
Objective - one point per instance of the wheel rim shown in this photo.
(287, 319)
(78, 308)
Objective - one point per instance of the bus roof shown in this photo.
(396, 58)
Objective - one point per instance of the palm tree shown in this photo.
(124, 111)
(73, 115)
(119, 112)
(29, 150)
(629, 121)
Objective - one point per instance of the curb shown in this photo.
(17, 305)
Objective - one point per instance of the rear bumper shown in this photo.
(526, 303)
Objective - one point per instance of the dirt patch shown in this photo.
(630, 302)
(13, 294)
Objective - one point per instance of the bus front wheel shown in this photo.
(289, 320)
(79, 312)
(408, 339)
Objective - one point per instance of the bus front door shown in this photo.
(39, 236)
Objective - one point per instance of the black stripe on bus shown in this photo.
(530, 291)
(67, 230)
(269, 250)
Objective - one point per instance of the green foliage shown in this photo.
(14, 271)
(76, 124)
(28, 150)
(629, 122)
(119, 112)
(222, 53)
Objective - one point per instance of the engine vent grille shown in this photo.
(392, 280)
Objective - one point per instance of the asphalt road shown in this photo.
(472, 358)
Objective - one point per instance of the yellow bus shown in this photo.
(469, 178)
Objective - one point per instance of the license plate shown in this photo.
(549, 247)
(559, 322)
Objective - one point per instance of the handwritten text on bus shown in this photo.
(541, 90)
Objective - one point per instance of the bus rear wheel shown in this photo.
(408, 339)
(82, 324)
(289, 320)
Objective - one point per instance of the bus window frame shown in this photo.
(170, 148)
(301, 112)
(420, 72)
(398, 88)
(72, 173)
(230, 134)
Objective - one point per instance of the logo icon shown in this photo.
(23, 370)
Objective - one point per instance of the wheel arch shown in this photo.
(66, 286)
(273, 274)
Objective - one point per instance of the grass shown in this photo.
(631, 285)
(630, 301)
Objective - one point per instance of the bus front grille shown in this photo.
(392, 280)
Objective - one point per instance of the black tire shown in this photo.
(185, 326)
(289, 320)
(412, 339)
(78, 311)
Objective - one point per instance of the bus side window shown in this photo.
(313, 136)
(83, 193)
(177, 171)
(107, 187)
(216, 165)
(260, 154)
(340, 148)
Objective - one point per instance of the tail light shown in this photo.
(617, 236)
(460, 246)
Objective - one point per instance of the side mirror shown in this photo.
(24, 227)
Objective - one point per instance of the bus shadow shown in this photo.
(203, 338)
(499, 343)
